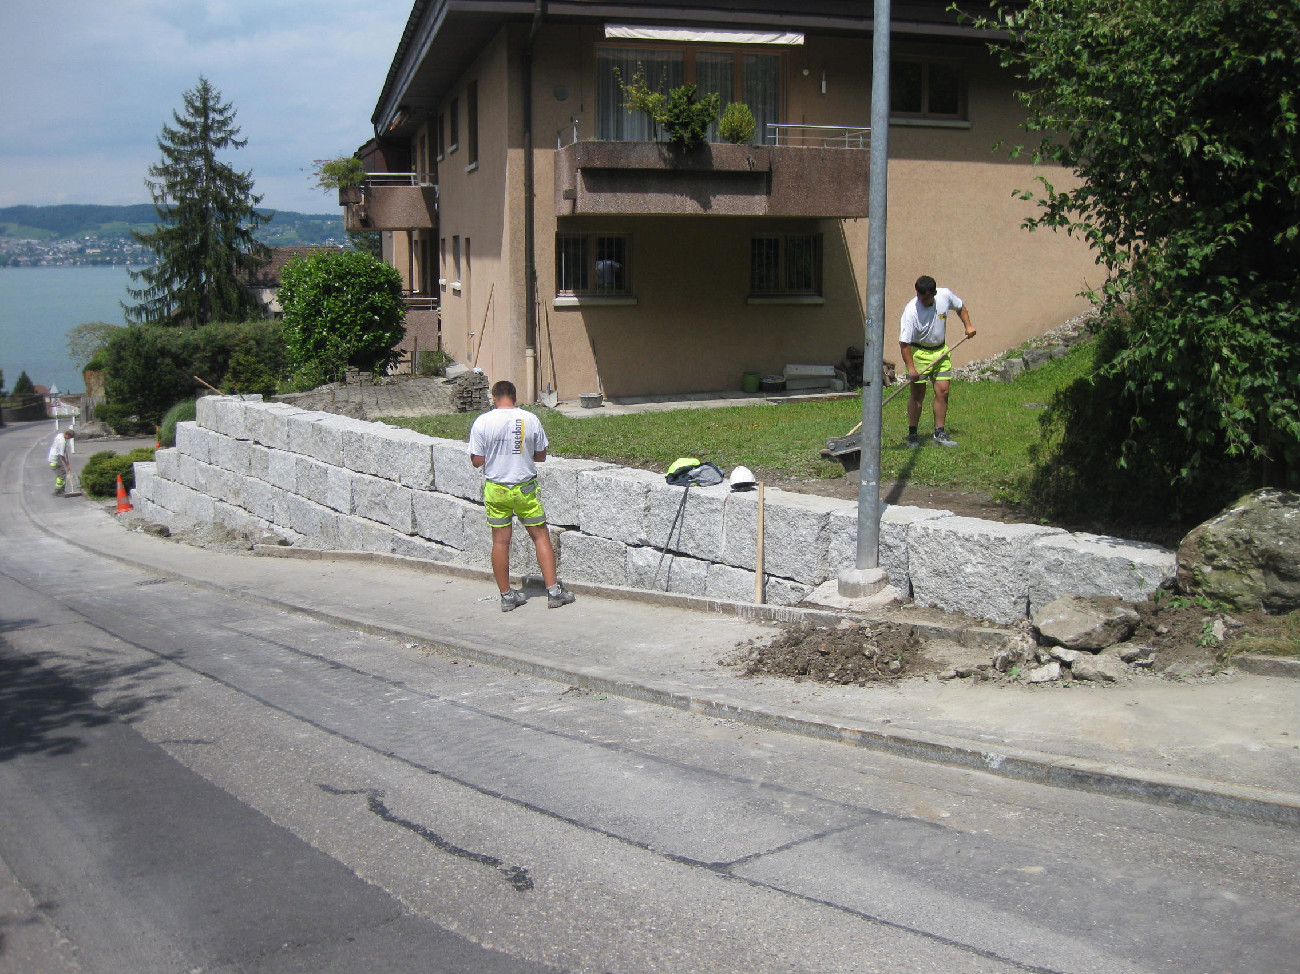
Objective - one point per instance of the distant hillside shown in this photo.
(74, 221)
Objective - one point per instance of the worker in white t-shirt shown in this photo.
(923, 342)
(507, 443)
(60, 458)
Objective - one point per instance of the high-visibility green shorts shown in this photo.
(506, 502)
(923, 358)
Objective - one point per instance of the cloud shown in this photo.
(91, 83)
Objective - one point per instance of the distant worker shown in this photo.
(60, 458)
(923, 341)
(507, 443)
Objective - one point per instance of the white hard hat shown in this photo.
(742, 478)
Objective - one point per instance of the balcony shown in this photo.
(392, 201)
(816, 173)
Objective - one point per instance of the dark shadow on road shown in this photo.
(47, 709)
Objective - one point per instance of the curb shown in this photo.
(1255, 804)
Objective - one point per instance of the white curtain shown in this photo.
(663, 71)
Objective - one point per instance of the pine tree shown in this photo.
(206, 221)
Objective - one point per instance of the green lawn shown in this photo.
(995, 423)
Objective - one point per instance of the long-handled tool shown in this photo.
(849, 442)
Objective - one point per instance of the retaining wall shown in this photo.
(327, 481)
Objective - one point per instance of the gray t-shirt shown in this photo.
(507, 440)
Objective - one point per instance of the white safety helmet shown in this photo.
(742, 478)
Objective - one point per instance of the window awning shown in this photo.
(689, 35)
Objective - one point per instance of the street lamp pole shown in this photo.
(867, 578)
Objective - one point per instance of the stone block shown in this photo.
(323, 484)
(795, 532)
(384, 501)
(145, 473)
(226, 415)
(1092, 564)
(612, 504)
(391, 452)
(650, 569)
(192, 441)
(267, 423)
(167, 464)
(981, 568)
(266, 501)
(281, 470)
(444, 519)
(259, 462)
(318, 435)
(183, 501)
(359, 534)
(523, 556)
(453, 473)
(698, 532)
(729, 584)
(320, 525)
(558, 480)
(587, 558)
(895, 523)
(230, 453)
(426, 550)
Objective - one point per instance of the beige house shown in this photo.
(567, 250)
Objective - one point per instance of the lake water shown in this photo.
(40, 305)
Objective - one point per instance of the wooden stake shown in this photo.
(758, 556)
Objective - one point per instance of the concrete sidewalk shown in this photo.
(1231, 744)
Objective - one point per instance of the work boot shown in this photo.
(941, 438)
(512, 599)
(913, 441)
(557, 596)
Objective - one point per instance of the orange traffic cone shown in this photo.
(123, 505)
(157, 437)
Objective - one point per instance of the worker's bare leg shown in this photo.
(915, 400)
(940, 403)
(501, 557)
(545, 552)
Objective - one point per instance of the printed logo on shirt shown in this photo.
(517, 446)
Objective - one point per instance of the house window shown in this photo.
(441, 137)
(785, 264)
(455, 260)
(593, 264)
(754, 79)
(923, 88)
(454, 112)
(471, 122)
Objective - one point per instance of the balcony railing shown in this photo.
(420, 302)
(401, 179)
(819, 136)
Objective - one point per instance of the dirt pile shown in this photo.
(861, 654)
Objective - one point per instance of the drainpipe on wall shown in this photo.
(530, 243)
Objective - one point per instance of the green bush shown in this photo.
(433, 363)
(151, 368)
(122, 420)
(182, 412)
(99, 476)
(737, 123)
(341, 309)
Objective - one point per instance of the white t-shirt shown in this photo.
(60, 448)
(928, 326)
(507, 440)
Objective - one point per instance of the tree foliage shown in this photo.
(1179, 120)
(341, 309)
(207, 217)
(23, 385)
(88, 340)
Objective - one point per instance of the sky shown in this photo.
(89, 85)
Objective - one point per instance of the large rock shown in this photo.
(1080, 623)
(1248, 556)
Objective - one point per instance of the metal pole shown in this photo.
(874, 357)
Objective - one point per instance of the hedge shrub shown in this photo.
(99, 476)
(182, 412)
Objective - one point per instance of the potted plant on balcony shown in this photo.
(343, 173)
(680, 113)
(737, 123)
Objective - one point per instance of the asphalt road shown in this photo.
(189, 781)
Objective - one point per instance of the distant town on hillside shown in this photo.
(72, 235)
